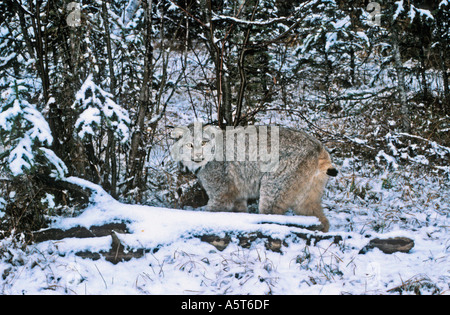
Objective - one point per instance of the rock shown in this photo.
(274, 245)
(218, 242)
(390, 245)
(245, 241)
(116, 254)
(314, 238)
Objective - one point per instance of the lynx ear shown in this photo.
(211, 129)
(178, 132)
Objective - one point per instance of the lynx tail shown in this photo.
(326, 165)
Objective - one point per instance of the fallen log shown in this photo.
(119, 253)
(80, 232)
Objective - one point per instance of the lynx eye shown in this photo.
(190, 145)
(204, 143)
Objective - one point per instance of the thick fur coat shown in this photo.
(292, 174)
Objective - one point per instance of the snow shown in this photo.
(331, 38)
(364, 37)
(359, 141)
(129, 11)
(343, 23)
(412, 13)
(182, 264)
(425, 13)
(5, 60)
(60, 169)
(21, 157)
(218, 17)
(154, 226)
(391, 160)
(97, 108)
(89, 117)
(422, 12)
(7, 116)
(31, 132)
(172, 7)
(49, 200)
(399, 9)
(40, 128)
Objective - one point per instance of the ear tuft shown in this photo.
(178, 132)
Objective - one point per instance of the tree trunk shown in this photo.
(442, 37)
(446, 101)
(40, 50)
(242, 74)
(109, 171)
(226, 99)
(446, 92)
(217, 52)
(352, 66)
(137, 152)
(108, 48)
(404, 109)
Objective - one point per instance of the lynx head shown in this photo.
(194, 146)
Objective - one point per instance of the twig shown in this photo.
(188, 13)
(106, 286)
(433, 143)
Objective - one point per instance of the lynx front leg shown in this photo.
(313, 208)
(226, 202)
(270, 207)
(278, 191)
(223, 194)
(271, 201)
(303, 197)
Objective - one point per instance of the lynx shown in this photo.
(283, 169)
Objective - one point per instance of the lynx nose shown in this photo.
(198, 156)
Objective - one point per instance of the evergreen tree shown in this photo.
(100, 118)
(332, 38)
(25, 136)
(99, 113)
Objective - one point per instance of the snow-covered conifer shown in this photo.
(97, 111)
(25, 135)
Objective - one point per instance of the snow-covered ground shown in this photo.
(360, 207)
